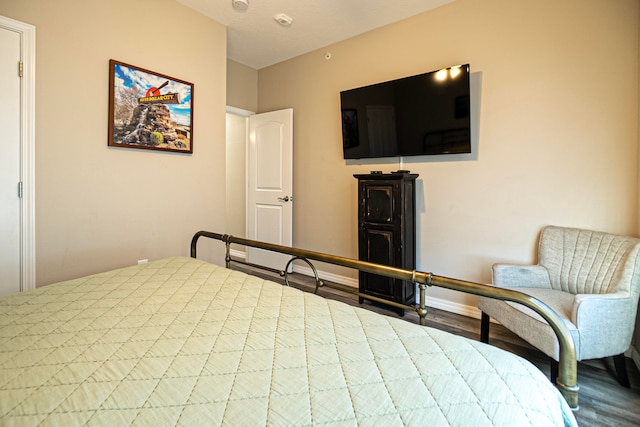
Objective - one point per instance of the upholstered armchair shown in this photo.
(591, 279)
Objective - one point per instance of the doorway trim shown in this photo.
(240, 251)
(239, 111)
(27, 149)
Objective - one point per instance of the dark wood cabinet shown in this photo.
(387, 232)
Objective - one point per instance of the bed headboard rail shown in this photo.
(567, 372)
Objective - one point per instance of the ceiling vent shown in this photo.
(241, 5)
(283, 19)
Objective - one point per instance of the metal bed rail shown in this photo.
(567, 367)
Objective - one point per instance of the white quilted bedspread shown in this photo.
(181, 341)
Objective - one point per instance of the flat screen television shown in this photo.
(424, 114)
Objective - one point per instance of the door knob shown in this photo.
(285, 198)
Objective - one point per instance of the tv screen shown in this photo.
(413, 116)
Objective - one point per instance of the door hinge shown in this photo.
(20, 68)
(20, 190)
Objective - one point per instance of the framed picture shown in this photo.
(149, 110)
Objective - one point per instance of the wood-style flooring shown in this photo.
(603, 402)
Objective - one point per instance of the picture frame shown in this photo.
(149, 110)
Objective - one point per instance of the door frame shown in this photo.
(27, 149)
(241, 251)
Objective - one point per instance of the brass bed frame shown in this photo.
(567, 372)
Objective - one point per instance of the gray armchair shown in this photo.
(591, 279)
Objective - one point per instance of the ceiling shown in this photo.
(255, 39)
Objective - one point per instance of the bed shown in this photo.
(181, 341)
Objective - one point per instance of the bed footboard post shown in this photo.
(567, 381)
(194, 240)
(227, 251)
(194, 243)
(422, 307)
(227, 254)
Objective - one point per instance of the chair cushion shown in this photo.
(532, 327)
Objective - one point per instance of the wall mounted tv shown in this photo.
(413, 116)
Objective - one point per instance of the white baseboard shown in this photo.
(454, 307)
(329, 277)
(238, 254)
(439, 303)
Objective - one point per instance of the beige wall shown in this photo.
(558, 129)
(242, 86)
(96, 207)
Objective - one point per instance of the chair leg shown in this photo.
(621, 370)
(484, 328)
(554, 370)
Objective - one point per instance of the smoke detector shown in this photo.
(283, 19)
(241, 5)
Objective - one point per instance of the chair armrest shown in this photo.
(520, 276)
(607, 310)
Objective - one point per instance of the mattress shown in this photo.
(183, 342)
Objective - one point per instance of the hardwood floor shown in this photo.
(603, 402)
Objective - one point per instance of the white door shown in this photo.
(270, 185)
(17, 156)
(9, 162)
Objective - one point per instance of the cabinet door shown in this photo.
(379, 248)
(378, 201)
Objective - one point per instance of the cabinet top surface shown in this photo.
(387, 176)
